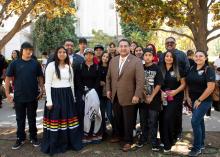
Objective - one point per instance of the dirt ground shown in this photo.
(107, 149)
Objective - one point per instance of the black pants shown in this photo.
(178, 120)
(103, 103)
(124, 121)
(149, 124)
(168, 123)
(137, 107)
(80, 105)
(21, 110)
(1, 92)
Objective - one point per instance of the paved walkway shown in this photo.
(7, 118)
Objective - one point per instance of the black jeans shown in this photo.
(124, 121)
(149, 124)
(21, 110)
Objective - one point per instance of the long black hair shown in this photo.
(57, 62)
(109, 58)
(17, 52)
(174, 65)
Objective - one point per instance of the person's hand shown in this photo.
(189, 101)
(163, 95)
(196, 104)
(171, 93)
(9, 98)
(40, 95)
(109, 94)
(135, 99)
(49, 106)
(102, 83)
(149, 99)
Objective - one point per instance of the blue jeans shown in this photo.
(198, 124)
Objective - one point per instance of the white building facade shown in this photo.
(17, 40)
(97, 15)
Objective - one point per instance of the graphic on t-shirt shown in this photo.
(172, 74)
(149, 81)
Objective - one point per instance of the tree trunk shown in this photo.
(200, 41)
(199, 30)
(18, 25)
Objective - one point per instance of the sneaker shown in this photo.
(139, 144)
(35, 142)
(155, 148)
(179, 137)
(86, 140)
(194, 152)
(161, 145)
(167, 151)
(202, 148)
(17, 144)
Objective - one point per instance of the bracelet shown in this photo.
(199, 100)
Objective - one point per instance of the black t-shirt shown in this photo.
(171, 82)
(3, 64)
(197, 81)
(153, 77)
(25, 75)
(103, 72)
(191, 62)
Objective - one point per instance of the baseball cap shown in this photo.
(26, 45)
(149, 50)
(99, 46)
(88, 50)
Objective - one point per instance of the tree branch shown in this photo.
(212, 38)
(214, 29)
(211, 2)
(18, 24)
(185, 4)
(25, 25)
(4, 7)
(174, 32)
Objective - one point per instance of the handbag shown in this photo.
(216, 94)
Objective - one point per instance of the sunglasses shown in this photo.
(170, 42)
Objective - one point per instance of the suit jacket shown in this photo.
(129, 83)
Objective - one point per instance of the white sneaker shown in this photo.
(167, 151)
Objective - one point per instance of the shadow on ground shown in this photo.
(107, 149)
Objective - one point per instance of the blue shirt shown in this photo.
(25, 75)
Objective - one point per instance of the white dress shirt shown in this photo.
(81, 54)
(122, 61)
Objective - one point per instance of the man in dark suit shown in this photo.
(75, 59)
(125, 85)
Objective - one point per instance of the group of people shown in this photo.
(85, 88)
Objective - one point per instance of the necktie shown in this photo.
(121, 65)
